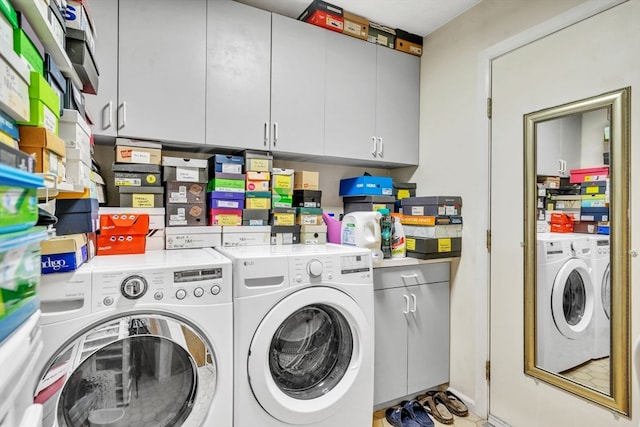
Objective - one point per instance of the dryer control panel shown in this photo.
(187, 286)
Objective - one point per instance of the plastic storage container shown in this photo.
(18, 199)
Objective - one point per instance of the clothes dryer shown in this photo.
(602, 289)
(303, 335)
(138, 340)
(18, 355)
(565, 302)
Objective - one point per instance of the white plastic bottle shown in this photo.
(398, 241)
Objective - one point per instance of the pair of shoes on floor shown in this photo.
(443, 405)
(409, 414)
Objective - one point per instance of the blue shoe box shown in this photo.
(64, 253)
(77, 216)
(366, 186)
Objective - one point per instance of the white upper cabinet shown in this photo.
(372, 102)
(297, 87)
(238, 75)
(397, 106)
(350, 118)
(160, 57)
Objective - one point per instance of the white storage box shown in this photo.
(193, 237)
(14, 90)
(155, 240)
(74, 130)
(246, 235)
(77, 173)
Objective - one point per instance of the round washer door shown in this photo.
(306, 354)
(572, 299)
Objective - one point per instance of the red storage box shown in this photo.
(121, 245)
(324, 15)
(124, 224)
(562, 228)
(601, 173)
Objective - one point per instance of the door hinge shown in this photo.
(488, 240)
(489, 105)
(487, 370)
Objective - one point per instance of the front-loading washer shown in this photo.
(602, 288)
(303, 335)
(565, 302)
(138, 340)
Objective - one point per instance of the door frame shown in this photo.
(483, 126)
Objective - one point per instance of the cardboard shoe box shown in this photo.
(306, 180)
(78, 48)
(258, 181)
(156, 215)
(74, 130)
(283, 216)
(227, 182)
(368, 203)
(179, 214)
(14, 92)
(48, 149)
(282, 181)
(225, 199)
(355, 26)
(136, 175)
(225, 217)
(63, 253)
(313, 234)
(135, 151)
(258, 161)
(255, 217)
(77, 216)
(246, 236)
(366, 185)
(285, 235)
(44, 104)
(184, 169)
(193, 237)
(381, 35)
(258, 200)
(226, 163)
(309, 216)
(432, 205)
(425, 248)
(324, 15)
(408, 43)
(185, 192)
(307, 198)
(141, 197)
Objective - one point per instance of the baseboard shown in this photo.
(496, 422)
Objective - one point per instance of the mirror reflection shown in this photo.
(576, 248)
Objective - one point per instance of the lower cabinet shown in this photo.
(411, 329)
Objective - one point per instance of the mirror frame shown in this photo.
(619, 104)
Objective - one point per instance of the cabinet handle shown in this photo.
(409, 279)
(266, 133)
(275, 133)
(415, 303)
(406, 300)
(373, 140)
(122, 115)
(380, 147)
(107, 112)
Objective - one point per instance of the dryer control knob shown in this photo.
(107, 301)
(181, 294)
(215, 289)
(314, 268)
(158, 296)
(198, 292)
(134, 287)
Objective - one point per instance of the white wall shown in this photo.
(453, 158)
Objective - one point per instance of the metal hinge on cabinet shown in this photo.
(489, 108)
(487, 370)
(488, 240)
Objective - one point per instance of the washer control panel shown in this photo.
(331, 268)
(188, 286)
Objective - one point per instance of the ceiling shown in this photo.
(419, 17)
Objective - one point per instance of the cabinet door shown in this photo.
(102, 106)
(390, 377)
(161, 78)
(350, 98)
(238, 75)
(297, 86)
(428, 336)
(397, 106)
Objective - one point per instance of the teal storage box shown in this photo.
(19, 277)
(366, 186)
(18, 199)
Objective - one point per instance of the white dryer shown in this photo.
(138, 340)
(565, 302)
(18, 356)
(602, 288)
(303, 335)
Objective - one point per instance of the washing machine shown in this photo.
(138, 340)
(602, 288)
(18, 356)
(565, 302)
(303, 335)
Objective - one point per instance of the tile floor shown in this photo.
(593, 374)
(469, 421)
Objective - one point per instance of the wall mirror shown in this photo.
(577, 248)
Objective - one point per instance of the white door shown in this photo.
(594, 56)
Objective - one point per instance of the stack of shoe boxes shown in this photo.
(594, 197)
(226, 190)
(432, 226)
(307, 199)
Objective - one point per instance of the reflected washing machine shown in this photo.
(138, 340)
(565, 302)
(602, 288)
(303, 335)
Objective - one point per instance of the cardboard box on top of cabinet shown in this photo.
(408, 43)
(381, 35)
(135, 151)
(355, 26)
(324, 15)
(63, 253)
(48, 149)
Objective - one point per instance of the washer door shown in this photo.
(138, 369)
(572, 299)
(306, 355)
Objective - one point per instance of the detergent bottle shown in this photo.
(386, 228)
